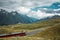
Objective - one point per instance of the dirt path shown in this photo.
(27, 33)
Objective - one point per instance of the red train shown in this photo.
(12, 35)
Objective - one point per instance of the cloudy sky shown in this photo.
(14, 4)
(24, 6)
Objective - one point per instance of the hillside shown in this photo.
(51, 33)
(32, 26)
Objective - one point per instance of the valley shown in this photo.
(34, 27)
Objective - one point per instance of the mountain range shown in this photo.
(14, 17)
(7, 18)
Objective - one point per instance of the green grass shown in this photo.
(25, 27)
(24, 38)
(51, 33)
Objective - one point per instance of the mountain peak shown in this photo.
(13, 17)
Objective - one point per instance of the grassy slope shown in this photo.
(51, 33)
(27, 27)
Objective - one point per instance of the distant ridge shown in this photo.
(48, 18)
(7, 18)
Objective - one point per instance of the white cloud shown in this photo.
(58, 14)
(28, 4)
(57, 9)
(13, 4)
(39, 14)
(23, 9)
(24, 6)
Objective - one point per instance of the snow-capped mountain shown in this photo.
(33, 15)
(14, 17)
